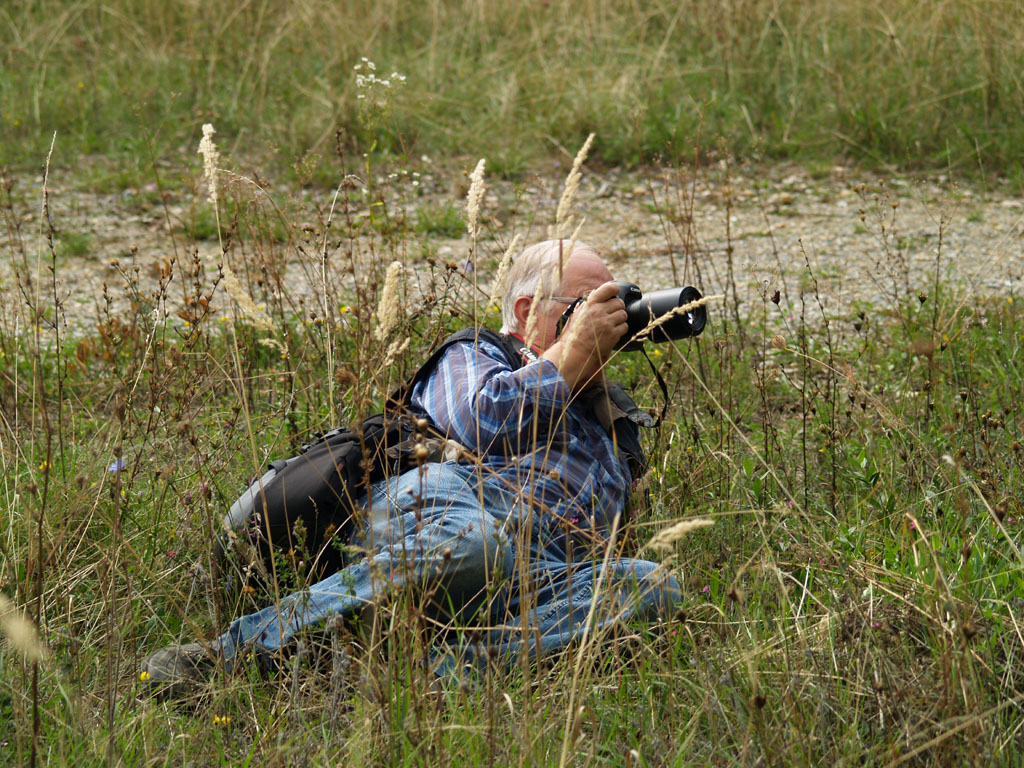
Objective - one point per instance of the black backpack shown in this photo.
(303, 509)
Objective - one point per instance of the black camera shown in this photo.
(644, 308)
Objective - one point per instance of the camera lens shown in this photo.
(658, 304)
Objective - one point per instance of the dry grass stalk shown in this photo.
(210, 158)
(20, 632)
(666, 537)
(244, 301)
(473, 199)
(572, 183)
(503, 267)
(389, 309)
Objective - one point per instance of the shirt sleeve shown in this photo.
(478, 400)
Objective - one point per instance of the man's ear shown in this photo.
(521, 309)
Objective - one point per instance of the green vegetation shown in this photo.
(857, 600)
(885, 84)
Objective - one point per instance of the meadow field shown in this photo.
(838, 481)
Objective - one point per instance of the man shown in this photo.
(515, 535)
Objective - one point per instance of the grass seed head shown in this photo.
(20, 632)
(572, 183)
(476, 194)
(210, 158)
(389, 309)
(666, 537)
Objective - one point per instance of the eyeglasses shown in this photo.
(562, 299)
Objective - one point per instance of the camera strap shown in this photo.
(664, 390)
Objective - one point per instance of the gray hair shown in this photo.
(535, 273)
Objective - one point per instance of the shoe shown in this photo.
(179, 671)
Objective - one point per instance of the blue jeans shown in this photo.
(469, 541)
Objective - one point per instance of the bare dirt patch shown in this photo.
(862, 238)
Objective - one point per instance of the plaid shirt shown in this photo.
(526, 430)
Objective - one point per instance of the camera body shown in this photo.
(643, 308)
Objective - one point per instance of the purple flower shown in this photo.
(117, 466)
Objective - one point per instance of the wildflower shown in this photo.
(476, 194)
(143, 676)
(116, 466)
(225, 720)
(45, 465)
(344, 309)
(210, 157)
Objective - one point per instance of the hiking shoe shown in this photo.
(178, 671)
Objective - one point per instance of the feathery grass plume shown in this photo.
(244, 301)
(20, 632)
(499, 277)
(566, 253)
(389, 308)
(397, 347)
(666, 537)
(210, 157)
(572, 183)
(476, 194)
(546, 282)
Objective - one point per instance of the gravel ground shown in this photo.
(865, 239)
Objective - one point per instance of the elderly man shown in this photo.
(515, 535)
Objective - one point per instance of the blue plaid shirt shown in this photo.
(527, 431)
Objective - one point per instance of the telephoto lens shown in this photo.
(642, 309)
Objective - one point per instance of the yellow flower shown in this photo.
(144, 676)
(44, 466)
(80, 85)
(344, 309)
(218, 720)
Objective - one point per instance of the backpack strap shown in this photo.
(400, 397)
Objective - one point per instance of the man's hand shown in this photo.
(585, 343)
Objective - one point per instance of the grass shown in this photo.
(857, 600)
(884, 85)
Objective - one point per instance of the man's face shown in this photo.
(583, 272)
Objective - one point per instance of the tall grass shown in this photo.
(856, 601)
(885, 84)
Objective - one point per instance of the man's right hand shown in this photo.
(586, 342)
